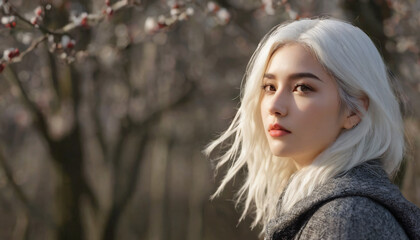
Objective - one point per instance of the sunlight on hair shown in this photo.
(351, 57)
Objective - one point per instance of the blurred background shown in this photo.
(106, 107)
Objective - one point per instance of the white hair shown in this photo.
(349, 55)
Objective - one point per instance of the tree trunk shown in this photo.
(70, 187)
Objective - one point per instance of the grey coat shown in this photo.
(361, 204)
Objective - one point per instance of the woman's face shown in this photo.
(300, 105)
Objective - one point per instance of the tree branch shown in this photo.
(171, 104)
(119, 204)
(93, 17)
(39, 118)
(31, 209)
(95, 112)
(54, 77)
(29, 49)
(141, 128)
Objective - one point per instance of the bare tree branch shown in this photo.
(29, 207)
(95, 18)
(169, 105)
(29, 49)
(39, 118)
(119, 203)
(95, 113)
(54, 76)
(41, 27)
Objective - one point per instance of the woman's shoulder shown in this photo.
(352, 217)
(361, 201)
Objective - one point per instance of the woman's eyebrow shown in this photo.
(295, 76)
(269, 76)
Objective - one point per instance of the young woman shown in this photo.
(319, 132)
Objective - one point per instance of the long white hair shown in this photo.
(349, 55)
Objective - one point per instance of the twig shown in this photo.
(97, 16)
(64, 30)
(41, 27)
(29, 49)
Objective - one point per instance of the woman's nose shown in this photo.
(278, 104)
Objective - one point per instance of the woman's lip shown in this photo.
(277, 126)
(278, 133)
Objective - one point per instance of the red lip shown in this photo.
(276, 126)
(276, 130)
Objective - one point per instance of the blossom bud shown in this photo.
(9, 21)
(190, 11)
(16, 52)
(212, 6)
(71, 44)
(34, 20)
(10, 53)
(150, 25)
(84, 19)
(175, 11)
(223, 15)
(38, 11)
(161, 22)
(268, 7)
(109, 11)
(67, 42)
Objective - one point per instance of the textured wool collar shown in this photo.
(367, 180)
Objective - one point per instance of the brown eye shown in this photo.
(268, 88)
(303, 88)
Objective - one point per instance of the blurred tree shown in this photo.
(121, 96)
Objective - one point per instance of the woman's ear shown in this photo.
(353, 118)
